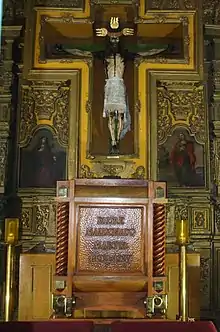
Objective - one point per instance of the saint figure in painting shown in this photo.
(183, 160)
(42, 162)
(43, 165)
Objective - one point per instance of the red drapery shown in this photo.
(163, 326)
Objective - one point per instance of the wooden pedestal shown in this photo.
(110, 244)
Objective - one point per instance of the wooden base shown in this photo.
(110, 305)
(106, 314)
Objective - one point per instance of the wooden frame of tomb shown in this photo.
(110, 244)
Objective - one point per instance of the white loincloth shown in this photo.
(115, 96)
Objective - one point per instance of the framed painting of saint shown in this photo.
(42, 161)
(181, 160)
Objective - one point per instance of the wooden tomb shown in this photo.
(110, 256)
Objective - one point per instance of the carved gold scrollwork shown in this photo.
(181, 103)
(200, 220)
(216, 162)
(66, 61)
(186, 40)
(139, 173)
(26, 219)
(88, 106)
(160, 19)
(160, 60)
(112, 170)
(45, 103)
(89, 62)
(45, 219)
(189, 4)
(164, 119)
(6, 76)
(90, 156)
(68, 18)
(13, 11)
(42, 216)
(211, 12)
(38, 218)
(61, 116)
(137, 106)
(3, 156)
(181, 209)
(217, 216)
(197, 117)
(28, 120)
(205, 277)
(156, 4)
(184, 20)
(172, 4)
(138, 61)
(86, 173)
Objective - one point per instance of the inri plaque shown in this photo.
(110, 239)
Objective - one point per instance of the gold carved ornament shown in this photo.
(45, 103)
(181, 103)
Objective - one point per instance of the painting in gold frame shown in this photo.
(51, 101)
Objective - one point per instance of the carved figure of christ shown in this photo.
(113, 86)
(116, 107)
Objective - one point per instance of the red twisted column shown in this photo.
(62, 238)
(159, 240)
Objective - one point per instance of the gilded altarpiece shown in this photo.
(168, 107)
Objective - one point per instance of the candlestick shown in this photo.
(182, 238)
(11, 239)
(11, 230)
(182, 235)
(9, 282)
(183, 299)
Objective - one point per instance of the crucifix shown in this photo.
(115, 107)
(115, 50)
